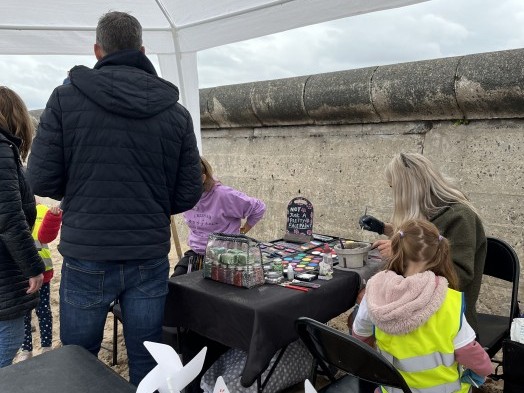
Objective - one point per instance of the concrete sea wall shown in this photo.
(328, 137)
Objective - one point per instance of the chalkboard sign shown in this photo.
(299, 227)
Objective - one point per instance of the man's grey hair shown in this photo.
(118, 31)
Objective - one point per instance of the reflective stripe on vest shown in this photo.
(425, 357)
(45, 254)
(421, 363)
(447, 388)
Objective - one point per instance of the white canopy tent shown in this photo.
(175, 30)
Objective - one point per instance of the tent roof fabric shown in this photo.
(67, 27)
(173, 29)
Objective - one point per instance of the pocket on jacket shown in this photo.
(153, 277)
(82, 287)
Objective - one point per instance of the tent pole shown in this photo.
(174, 232)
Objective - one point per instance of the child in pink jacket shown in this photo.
(415, 315)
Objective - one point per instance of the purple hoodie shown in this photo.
(220, 210)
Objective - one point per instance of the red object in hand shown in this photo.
(49, 228)
(326, 249)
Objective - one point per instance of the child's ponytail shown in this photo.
(442, 264)
(420, 241)
(397, 261)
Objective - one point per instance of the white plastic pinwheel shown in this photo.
(308, 387)
(169, 376)
(220, 386)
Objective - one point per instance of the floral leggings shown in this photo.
(45, 321)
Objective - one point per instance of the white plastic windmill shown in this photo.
(169, 375)
(220, 386)
(308, 387)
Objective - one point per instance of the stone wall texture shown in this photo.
(328, 138)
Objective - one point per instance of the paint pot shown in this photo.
(273, 274)
(354, 255)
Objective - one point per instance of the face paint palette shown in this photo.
(304, 257)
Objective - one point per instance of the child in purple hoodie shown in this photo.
(220, 209)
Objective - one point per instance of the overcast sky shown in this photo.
(435, 29)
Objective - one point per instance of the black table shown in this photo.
(69, 369)
(259, 320)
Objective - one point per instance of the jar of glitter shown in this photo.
(238, 276)
(258, 275)
(214, 271)
(222, 272)
(248, 277)
(207, 269)
(230, 272)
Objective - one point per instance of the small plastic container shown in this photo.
(290, 273)
(353, 255)
(277, 265)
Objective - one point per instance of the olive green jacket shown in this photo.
(465, 233)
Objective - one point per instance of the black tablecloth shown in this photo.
(70, 369)
(259, 320)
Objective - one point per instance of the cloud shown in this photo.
(35, 77)
(434, 29)
(424, 31)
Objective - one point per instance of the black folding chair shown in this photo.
(502, 263)
(117, 316)
(366, 367)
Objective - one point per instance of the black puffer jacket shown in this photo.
(120, 150)
(19, 259)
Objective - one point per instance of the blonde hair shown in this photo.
(419, 241)
(208, 171)
(419, 189)
(14, 117)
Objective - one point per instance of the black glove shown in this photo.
(370, 223)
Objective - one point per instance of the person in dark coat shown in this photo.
(120, 152)
(21, 267)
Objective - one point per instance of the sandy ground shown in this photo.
(106, 353)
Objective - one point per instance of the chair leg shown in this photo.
(313, 375)
(115, 335)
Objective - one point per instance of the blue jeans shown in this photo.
(87, 289)
(11, 338)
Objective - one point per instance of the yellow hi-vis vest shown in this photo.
(425, 357)
(43, 249)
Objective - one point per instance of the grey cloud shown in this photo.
(437, 28)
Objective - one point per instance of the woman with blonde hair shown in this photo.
(21, 267)
(416, 315)
(420, 191)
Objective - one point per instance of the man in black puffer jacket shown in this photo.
(119, 150)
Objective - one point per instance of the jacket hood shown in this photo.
(4, 134)
(399, 305)
(7, 137)
(125, 83)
